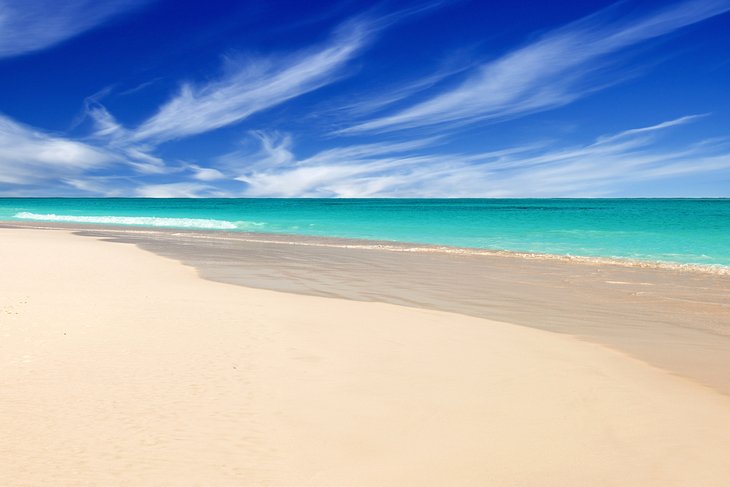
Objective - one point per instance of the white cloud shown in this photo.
(34, 162)
(29, 156)
(105, 125)
(32, 25)
(652, 128)
(276, 150)
(174, 190)
(47, 164)
(385, 98)
(252, 86)
(550, 72)
(275, 171)
(602, 168)
(206, 173)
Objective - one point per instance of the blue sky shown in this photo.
(175, 98)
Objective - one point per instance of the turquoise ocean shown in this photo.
(682, 231)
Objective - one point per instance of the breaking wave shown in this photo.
(149, 221)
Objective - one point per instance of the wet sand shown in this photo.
(120, 367)
(672, 319)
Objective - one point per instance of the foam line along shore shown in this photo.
(634, 231)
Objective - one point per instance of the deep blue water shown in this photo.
(695, 231)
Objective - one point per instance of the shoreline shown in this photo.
(677, 321)
(382, 245)
(121, 367)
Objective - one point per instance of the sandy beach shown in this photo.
(123, 367)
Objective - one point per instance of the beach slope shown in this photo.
(120, 367)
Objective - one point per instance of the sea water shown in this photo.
(683, 231)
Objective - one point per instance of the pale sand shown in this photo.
(677, 321)
(119, 367)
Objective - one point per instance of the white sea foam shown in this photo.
(150, 221)
(283, 239)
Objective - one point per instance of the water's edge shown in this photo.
(366, 244)
(673, 233)
(672, 317)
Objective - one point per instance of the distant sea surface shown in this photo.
(681, 231)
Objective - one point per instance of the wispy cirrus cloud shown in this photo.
(653, 128)
(39, 163)
(29, 156)
(252, 86)
(371, 104)
(245, 88)
(176, 190)
(275, 170)
(32, 25)
(555, 70)
(605, 167)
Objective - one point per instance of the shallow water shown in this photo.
(684, 231)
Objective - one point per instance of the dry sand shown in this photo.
(120, 367)
(675, 320)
